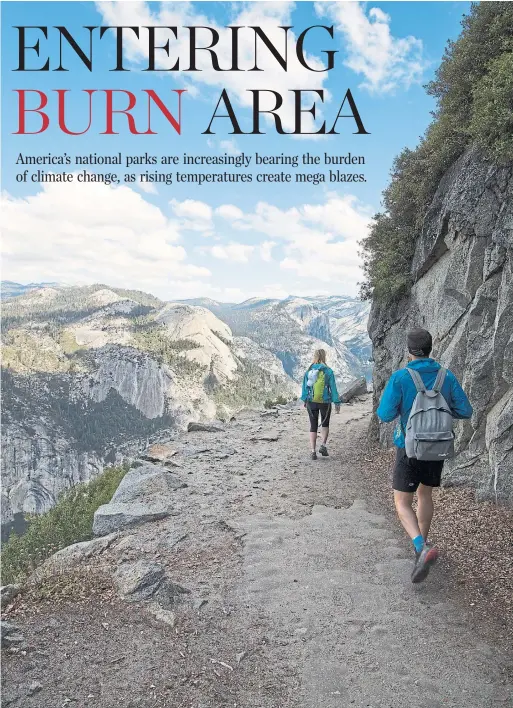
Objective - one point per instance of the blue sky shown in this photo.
(224, 241)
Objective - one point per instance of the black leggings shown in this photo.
(313, 413)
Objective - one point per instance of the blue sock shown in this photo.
(418, 542)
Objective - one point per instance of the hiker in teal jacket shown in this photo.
(400, 392)
(318, 393)
(411, 475)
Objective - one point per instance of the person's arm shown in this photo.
(335, 399)
(390, 404)
(304, 391)
(460, 405)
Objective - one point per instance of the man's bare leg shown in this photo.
(403, 504)
(424, 509)
(426, 555)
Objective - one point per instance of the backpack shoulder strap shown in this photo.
(417, 380)
(440, 378)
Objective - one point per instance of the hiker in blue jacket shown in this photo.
(411, 475)
(319, 392)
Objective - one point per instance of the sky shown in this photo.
(228, 242)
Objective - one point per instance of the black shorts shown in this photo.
(409, 472)
(313, 413)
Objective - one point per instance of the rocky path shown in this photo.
(298, 594)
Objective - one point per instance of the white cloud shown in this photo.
(275, 291)
(267, 15)
(320, 241)
(230, 212)
(147, 187)
(193, 215)
(266, 249)
(230, 146)
(192, 209)
(384, 61)
(78, 233)
(237, 252)
(233, 294)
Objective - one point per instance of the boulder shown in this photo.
(358, 387)
(159, 453)
(204, 428)
(79, 552)
(73, 555)
(147, 580)
(140, 580)
(8, 593)
(146, 481)
(144, 494)
(113, 517)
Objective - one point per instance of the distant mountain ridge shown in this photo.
(91, 374)
(290, 327)
(10, 289)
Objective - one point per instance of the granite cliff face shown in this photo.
(140, 380)
(463, 294)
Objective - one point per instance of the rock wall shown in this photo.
(463, 294)
(37, 465)
(137, 377)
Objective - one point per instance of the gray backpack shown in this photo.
(429, 434)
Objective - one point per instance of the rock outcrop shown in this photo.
(463, 294)
(142, 496)
(355, 388)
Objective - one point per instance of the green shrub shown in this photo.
(474, 91)
(491, 125)
(69, 521)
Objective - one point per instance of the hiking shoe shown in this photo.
(314, 455)
(324, 451)
(423, 562)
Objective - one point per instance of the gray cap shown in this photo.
(420, 342)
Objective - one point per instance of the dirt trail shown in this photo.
(300, 595)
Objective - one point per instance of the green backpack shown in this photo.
(316, 383)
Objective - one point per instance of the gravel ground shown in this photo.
(476, 544)
(300, 593)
